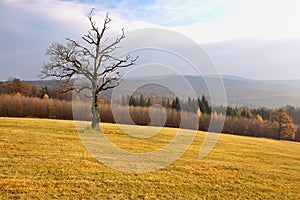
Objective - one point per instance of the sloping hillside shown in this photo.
(45, 159)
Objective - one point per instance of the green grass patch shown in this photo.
(45, 159)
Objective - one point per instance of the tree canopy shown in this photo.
(284, 123)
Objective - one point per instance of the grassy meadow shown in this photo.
(45, 159)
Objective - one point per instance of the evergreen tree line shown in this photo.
(192, 106)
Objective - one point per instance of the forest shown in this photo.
(19, 99)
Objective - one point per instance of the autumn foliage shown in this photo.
(280, 125)
(16, 86)
(18, 99)
(22, 106)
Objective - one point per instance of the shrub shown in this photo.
(22, 106)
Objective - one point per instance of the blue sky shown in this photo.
(249, 38)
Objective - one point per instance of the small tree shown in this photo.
(95, 61)
(284, 124)
(259, 118)
(176, 104)
(204, 105)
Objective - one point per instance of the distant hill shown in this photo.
(239, 91)
(42, 83)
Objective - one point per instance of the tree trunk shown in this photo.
(279, 131)
(95, 113)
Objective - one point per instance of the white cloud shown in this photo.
(259, 59)
(27, 28)
(31, 15)
(250, 19)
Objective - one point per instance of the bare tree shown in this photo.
(95, 61)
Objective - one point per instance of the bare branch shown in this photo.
(85, 50)
(117, 41)
(108, 84)
(95, 61)
(107, 20)
(121, 63)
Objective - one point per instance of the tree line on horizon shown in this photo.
(18, 99)
(15, 86)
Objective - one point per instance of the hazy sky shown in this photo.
(249, 38)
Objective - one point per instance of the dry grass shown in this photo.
(45, 159)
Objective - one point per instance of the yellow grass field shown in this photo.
(45, 159)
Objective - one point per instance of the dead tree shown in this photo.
(95, 61)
